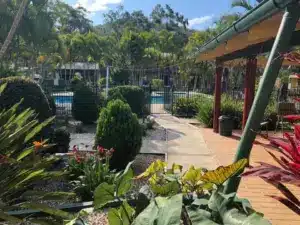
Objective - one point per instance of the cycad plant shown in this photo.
(21, 165)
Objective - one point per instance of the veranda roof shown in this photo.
(257, 37)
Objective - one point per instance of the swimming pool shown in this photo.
(59, 99)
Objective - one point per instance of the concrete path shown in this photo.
(185, 143)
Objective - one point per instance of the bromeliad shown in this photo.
(288, 172)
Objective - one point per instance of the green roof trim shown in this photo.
(261, 12)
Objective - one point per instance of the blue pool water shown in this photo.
(63, 99)
(157, 99)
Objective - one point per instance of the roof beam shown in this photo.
(256, 49)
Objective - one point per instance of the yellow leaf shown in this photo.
(155, 167)
(223, 173)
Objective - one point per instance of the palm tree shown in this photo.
(13, 28)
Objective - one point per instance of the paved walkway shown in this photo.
(190, 145)
(185, 143)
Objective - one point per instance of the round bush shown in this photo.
(186, 107)
(85, 106)
(60, 137)
(133, 95)
(119, 128)
(33, 97)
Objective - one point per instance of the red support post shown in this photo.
(249, 89)
(217, 100)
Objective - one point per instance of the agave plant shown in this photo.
(287, 173)
(21, 165)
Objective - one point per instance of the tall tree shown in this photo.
(13, 28)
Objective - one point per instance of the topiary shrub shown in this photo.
(119, 128)
(61, 139)
(76, 81)
(85, 105)
(33, 97)
(133, 95)
(115, 95)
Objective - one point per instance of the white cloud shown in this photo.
(199, 21)
(96, 5)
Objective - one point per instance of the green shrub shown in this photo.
(116, 95)
(205, 112)
(133, 95)
(102, 82)
(120, 77)
(52, 105)
(234, 109)
(157, 84)
(85, 106)
(89, 171)
(186, 107)
(76, 81)
(61, 139)
(34, 98)
(119, 128)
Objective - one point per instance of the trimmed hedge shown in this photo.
(133, 95)
(186, 107)
(85, 105)
(33, 97)
(119, 128)
(61, 139)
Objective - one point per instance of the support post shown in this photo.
(249, 89)
(107, 79)
(217, 97)
(281, 45)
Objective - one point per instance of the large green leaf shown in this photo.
(37, 129)
(199, 216)
(114, 217)
(9, 218)
(49, 210)
(124, 182)
(161, 211)
(103, 194)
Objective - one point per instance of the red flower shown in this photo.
(75, 148)
(78, 158)
(101, 150)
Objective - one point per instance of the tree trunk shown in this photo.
(13, 28)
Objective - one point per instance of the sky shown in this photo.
(201, 13)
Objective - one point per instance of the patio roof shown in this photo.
(253, 34)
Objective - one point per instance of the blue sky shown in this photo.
(201, 13)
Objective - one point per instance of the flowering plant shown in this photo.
(88, 170)
(287, 173)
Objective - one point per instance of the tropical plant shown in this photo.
(86, 104)
(193, 197)
(119, 128)
(21, 167)
(287, 173)
(93, 169)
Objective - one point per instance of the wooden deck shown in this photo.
(255, 189)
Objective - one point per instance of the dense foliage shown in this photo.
(90, 170)
(86, 104)
(61, 139)
(119, 128)
(33, 97)
(21, 168)
(173, 197)
(133, 95)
